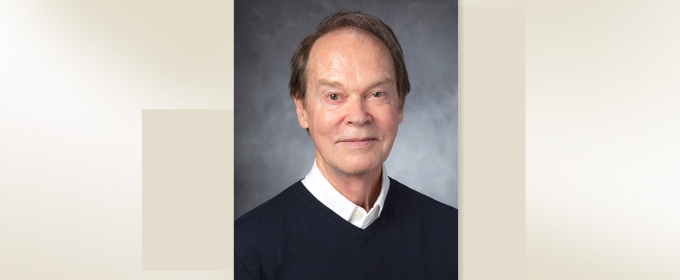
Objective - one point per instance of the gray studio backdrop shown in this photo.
(272, 151)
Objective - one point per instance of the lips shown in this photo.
(359, 142)
(359, 139)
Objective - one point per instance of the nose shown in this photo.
(357, 113)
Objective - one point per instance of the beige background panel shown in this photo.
(72, 91)
(188, 274)
(187, 183)
(492, 217)
(161, 54)
(602, 141)
(183, 50)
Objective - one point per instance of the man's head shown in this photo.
(347, 19)
(349, 83)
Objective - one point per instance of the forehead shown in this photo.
(349, 49)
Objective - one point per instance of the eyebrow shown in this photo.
(324, 82)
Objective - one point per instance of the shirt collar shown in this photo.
(319, 186)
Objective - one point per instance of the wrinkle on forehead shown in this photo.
(351, 56)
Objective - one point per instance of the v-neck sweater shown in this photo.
(295, 236)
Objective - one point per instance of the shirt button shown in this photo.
(358, 214)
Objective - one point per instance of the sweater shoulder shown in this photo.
(268, 215)
(428, 206)
(259, 232)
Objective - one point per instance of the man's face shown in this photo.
(352, 109)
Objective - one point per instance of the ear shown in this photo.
(401, 115)
(301, 113)
(400, 111)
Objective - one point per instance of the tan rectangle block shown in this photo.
(187, 189)
(602, 141)
(492, 143)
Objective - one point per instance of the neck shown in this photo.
(361, 189)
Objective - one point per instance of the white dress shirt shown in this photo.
(319, 186)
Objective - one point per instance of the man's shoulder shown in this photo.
(269, 214)
(260, 233)
(413, 200)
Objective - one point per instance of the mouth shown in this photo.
(359, 142)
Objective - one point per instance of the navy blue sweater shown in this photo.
(295, 236)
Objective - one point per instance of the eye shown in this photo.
(334, 96)
(378, 94)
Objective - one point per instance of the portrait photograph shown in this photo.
(346, 139)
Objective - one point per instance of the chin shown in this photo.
(356, 168)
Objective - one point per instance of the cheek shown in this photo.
(327, 122)
(390, 120)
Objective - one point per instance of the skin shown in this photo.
(352, 111)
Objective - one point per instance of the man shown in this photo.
(347, 219)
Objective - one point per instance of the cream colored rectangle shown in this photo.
(187, 182)
(492, 134)
(603, 127)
